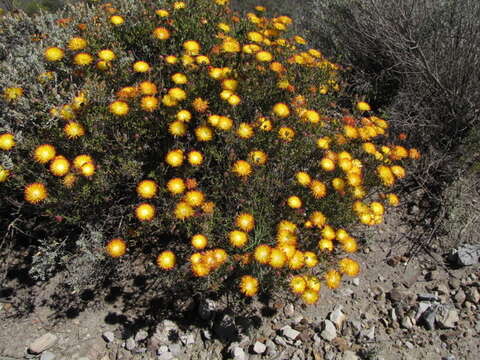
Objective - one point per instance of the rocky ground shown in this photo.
(407, 304)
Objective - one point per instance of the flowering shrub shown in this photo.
(206, 144)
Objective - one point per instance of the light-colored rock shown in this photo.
(407, 322)
(47, 355)
(165, 331)
(465, 255)
(447, 317)
(271, 348)
(130, 344)
(166, 356)
(108, 336)
(238, 353)
(422, 307)
(356, 281)
(329, 332)
(162, 349)
(141, 335)
(350, 355)
(259, 347)
(279, 340)
(42, 343)
(338, 318)
(187, 339)
(460, 297)
(175, 349)
(289, 310)
(368, 334)
(289, 333)
(473, 295)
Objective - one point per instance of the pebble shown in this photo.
(280, 340)
(141, 335)
(238, 353)
(422, 307)
(47, 355)
(329, 332)
(162, 349)
(409, 345)
(166, 356)
(259, 347)
(130, 344)
(108, 336)
(350, 355)
(460, 297)
(407, 322)
(289, 333)
(368, 334)
(447, 317)
(43, 343)
(175, 349)
(428, 318)
(428, 297)
(473, 295)
(289, 310)
(465, 255)
(356, 281)
(337, 317)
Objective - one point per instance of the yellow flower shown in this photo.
(183, 211)
(179, 78)
(176, 186)
(177, 5)
(145, 212)
(116, 247)
(258, 157)
(53, 54)
(325, 245)
(281, 110)
(12, 93)
(242, 168)
(349, 267)
(141, 66)
(83, 59)
(298, 285)
(245, 131)
(162, 13)
(363, 106)
(200, 105)
(119, 108)
(161, 33)
(194, 198)
(231, 45)
(147, 88)
(81, 160)
(35, 193)
(177, 128)
(77, 43)
(224, 27)
(177, 94)
(59, 166)
(333, 279)
(117, 20)
(349, 245)
(286, 133)
(238, 238)
(184, 116)
(327, 164)
(199, 241)
(147, 189)
(74, 130)
(174, 158)
(310, 296)
(248, 284)
(106, 55)
(149, 103)
(245, 222)
(195, 158)
(88, 169)
(294, 202)
(203, 133)
(318, 219)
(7, 141)
(222, 2)
(166, 260)
(191, 47)
(303, 178)
(4, 173)
(277, 259)
(264, 56)
(262, 254)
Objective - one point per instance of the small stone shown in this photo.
(289, 310)
(442, 289)
(350, 355)
(271, 348)
(338, 318)
(409, 345)
(329, 332)
(473, 295)
(187, 339)
(130, 344)
(238, 353)
(289, 333)
(141, 335)
(166, 356)
(465, 255)
(428, 318)
(407, 322)
(460, 297)
(454, 283)
(206, 334)
(259, 348)
(42, 343)
(280, 340)
(108, 336)
(162, 349)
(47, 355)
(422, 307)
(175, 349)
(356, 281)
(164, 333)
(447, 317)
(368, 334)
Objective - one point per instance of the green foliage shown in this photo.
(82, 212)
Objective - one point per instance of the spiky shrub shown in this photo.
(182, 134)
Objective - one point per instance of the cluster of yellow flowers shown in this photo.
(189, 116)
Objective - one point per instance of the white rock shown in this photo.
(166, 356)
(141, 335)
(422, 307)
(350, 355)
(130, 344)
(259, 348)
(108, 336)
(47, 355)
(356, 282)
(238, 353)
(407, 322)
(289, 333)
(338, 318)
(43, 343)
(280, 340)
(289, 310)
(447, 317)
(162, 349)
(329, 332)
(368, 334)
